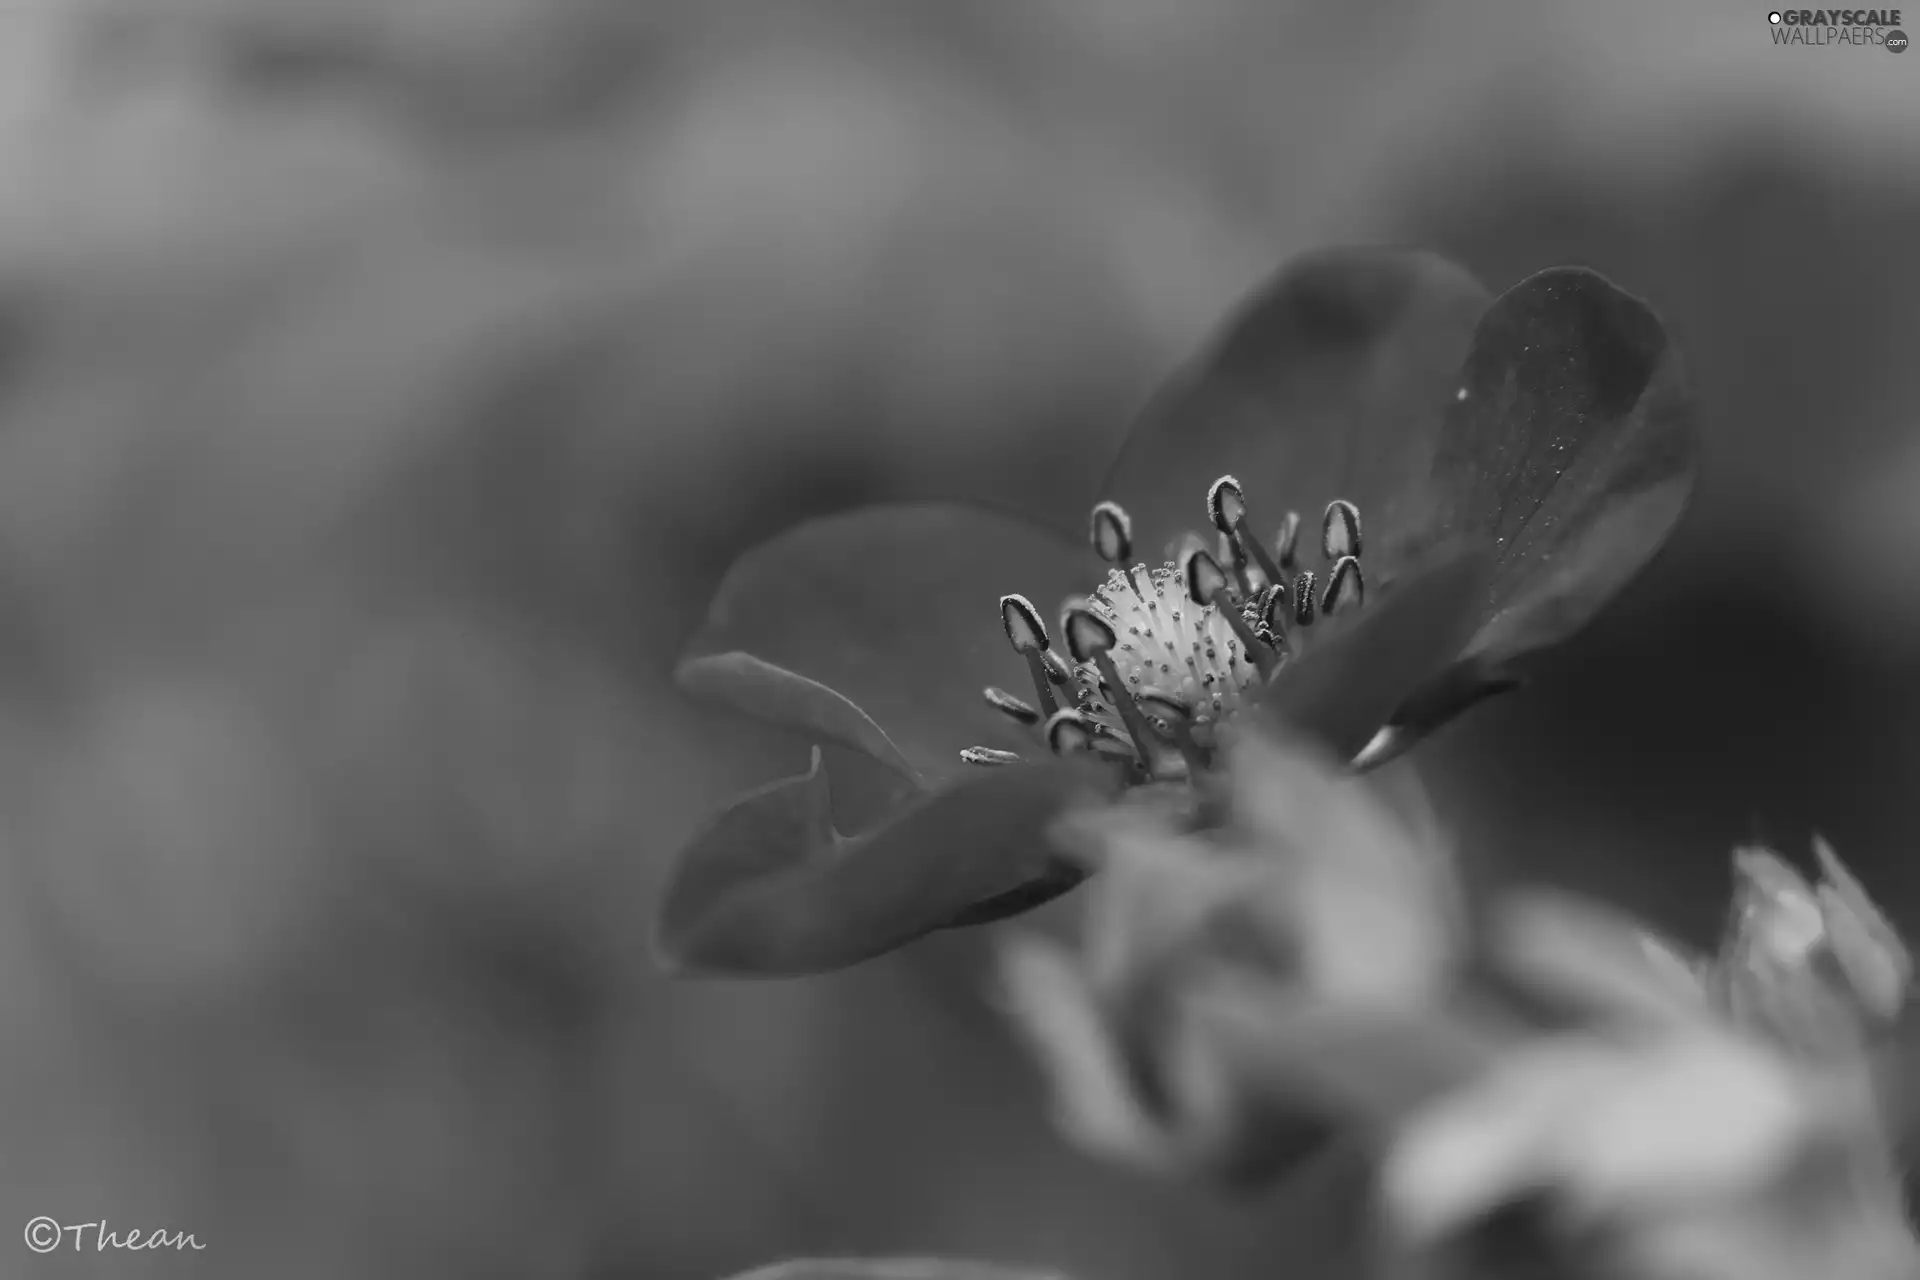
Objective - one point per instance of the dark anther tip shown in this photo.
(1346, 588)
(1111, 533)
(1226, 504)
(1071, 732)
(1303, 599)
(1340, 530)
(1272, 613)
(1088, 634)
(1025, 632)
(1203, 575)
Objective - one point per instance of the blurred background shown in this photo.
(383, 384)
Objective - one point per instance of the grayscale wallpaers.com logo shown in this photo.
(1839, 26)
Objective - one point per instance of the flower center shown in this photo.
(1157, 660)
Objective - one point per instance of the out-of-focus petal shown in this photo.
(878, 629)
(769, 888)
(1328, 382)
(1862, 939)
(1370, 1066)
(1596, 961)
(1570, 442)
(1607, 1127)
(1375, 907)
(1094, 1092)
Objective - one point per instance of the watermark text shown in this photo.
(46, 1235)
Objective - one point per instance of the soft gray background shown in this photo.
(383, 383)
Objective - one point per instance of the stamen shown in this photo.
(1227, 505)
(1112, 533)
(1112, 536)
(1008, 705)
(1303, 599)
(1273, 611)
(1230, 555)
(991, 756)
(1340, 530)
(1091, 639)
(1207, 584)
(1286, 544)
(1174, 716)
(1071, 733)
(1088, 634)
(1028, 636)
(1345, 587)
(1057, 669)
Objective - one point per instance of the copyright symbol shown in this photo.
(43, 1235)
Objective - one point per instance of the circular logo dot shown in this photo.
(1774, 17)
(1896, 42)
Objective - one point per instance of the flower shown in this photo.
(1816, 966)
(1704, 1118)
(1485, 473)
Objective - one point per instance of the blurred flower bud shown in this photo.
(1815, 965)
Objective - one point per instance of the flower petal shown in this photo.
(1376, 907)
(878, 629)
(769, 888)
(1570, 441)
(1329, 382)
(1596, 961)
(1348, 1064)
(1342, 690)
(1863, 941)
(893, 1269)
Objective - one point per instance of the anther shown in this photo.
(1112, 533)
(1088, 634)
(1346, 588)
(1273, 604)
(1071, 733)
(1008, 705)
(1286, 544)
(1173, 715)
(1340, 530)
(1207, 584)
(991, 756)
(1205, 580)
(1025, 631)
(1090, 638)
(1303, 599)
(1227, 506)
(1028, 635)
(1057, 669)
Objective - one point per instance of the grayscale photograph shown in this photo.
(959, 640)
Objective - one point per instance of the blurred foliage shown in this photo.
(387, 382)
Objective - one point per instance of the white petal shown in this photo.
(1865, 943)
(1596, 957)
(1049, 1002)
(1374, 904)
